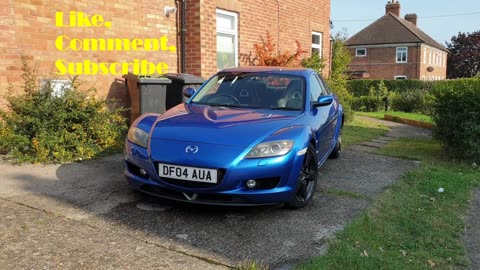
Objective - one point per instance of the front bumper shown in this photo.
(276, 177)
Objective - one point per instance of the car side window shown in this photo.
(326, 90)
(315, 88)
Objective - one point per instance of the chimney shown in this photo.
(393, 7)
(411, 18)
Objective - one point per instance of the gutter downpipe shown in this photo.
(183, 31)
(278, 27)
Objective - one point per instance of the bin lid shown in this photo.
(158, 80)
(185, 78)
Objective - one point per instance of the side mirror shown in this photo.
(188, 92)
(323, 101)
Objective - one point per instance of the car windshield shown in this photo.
(253, 90)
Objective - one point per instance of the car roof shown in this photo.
(286, 70)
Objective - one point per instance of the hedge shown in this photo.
(456, 111)
(362, 87)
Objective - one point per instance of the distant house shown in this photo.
(395, 48)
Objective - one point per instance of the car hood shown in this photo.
(220, 125)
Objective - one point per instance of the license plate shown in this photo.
(187, 173)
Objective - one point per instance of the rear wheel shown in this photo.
(338, 147)
(307, 181)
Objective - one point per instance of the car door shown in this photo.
(319, 118)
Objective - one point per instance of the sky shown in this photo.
(353, 16)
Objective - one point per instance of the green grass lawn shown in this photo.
(360, 130)
(412, 116)
(411, 225)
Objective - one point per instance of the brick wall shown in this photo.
(28, 29)
(380, 63)
(286, 21)
(438, 63)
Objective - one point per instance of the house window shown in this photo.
(402, 53)
(361, 52)
(400, 77)
(227, 39)
(425, 55)
(317, 43)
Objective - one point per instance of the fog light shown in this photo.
(143, 172)
(251, 183)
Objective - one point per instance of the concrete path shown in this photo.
(472, 235)
(82, 215)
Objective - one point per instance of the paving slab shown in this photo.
(362, 173)
(34, 239)
(373, 144)
(363, 148)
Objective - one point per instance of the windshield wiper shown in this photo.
(283, 109)
(225, 105)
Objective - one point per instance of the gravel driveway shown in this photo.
(82, 215)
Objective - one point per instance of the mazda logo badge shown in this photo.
(191, 149)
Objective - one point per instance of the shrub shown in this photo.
(366, 104)
(338, 87)
(41, 126)
(341, 57)
(415, 100)
(374, 101)
(362, 87)
(314, 62)
(456, 111)
(266, 54)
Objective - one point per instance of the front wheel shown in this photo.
(307, 181)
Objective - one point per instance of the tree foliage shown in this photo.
(266, 54)
(314, 62)
(464, 55)
(341, 57)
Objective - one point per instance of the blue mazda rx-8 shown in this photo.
(247, 136)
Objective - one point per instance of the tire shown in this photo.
(338, 147)
(307, 181)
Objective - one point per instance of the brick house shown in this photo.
(217, 33)
(395, 48)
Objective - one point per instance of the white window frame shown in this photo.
(318, 46)
(425, 56)
(360, 55)
(400, 77)
(406, 55)
(234, 33)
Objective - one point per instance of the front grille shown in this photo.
(193, 184)
(202, 198)
(154, 190)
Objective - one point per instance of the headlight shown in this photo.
(138, 136)
(270, 149)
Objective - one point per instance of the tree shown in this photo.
(464, 55)
(341, 58)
